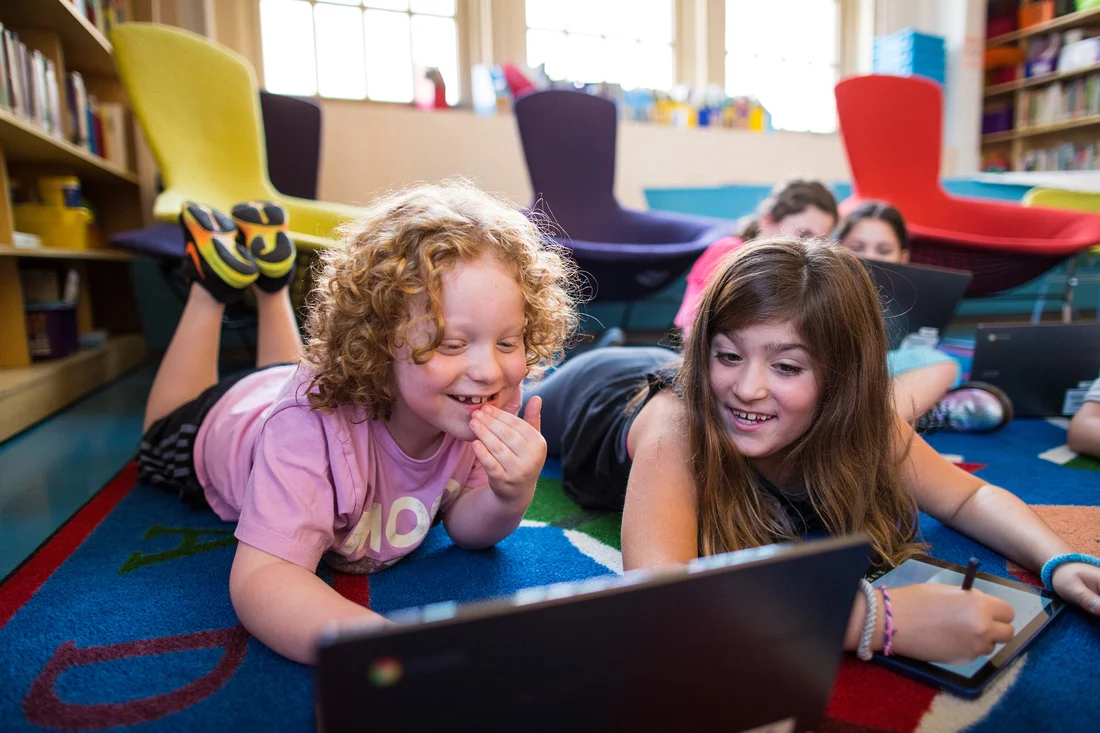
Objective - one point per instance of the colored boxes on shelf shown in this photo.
(911, 53)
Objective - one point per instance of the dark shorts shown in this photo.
(585, 417)
(166, 455)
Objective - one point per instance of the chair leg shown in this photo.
(1068, 313)
(1040, 301)
(624, 322)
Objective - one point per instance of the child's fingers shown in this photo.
(487, 460)
(532, 414)
(514, 431)
(491, 434)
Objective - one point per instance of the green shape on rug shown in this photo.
(550, 503)
(1083, 462)
(189, 545)
(607, 529)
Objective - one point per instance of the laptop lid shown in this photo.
(915, 296)
(734, 642)
(1041, 366)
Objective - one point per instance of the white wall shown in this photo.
(371, 148)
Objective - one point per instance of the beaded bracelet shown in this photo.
(864, 650)
(1047, 573)
(888, 639)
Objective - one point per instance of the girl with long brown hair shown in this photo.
(777, 425)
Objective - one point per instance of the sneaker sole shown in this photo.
(262, 231)
(211, 244)
(1002, 398)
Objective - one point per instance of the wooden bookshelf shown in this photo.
(1017, 144)
(25, 142)
(1066, 22)
(1035, 81)
(56, 253)
(31, 391)
(86, 49)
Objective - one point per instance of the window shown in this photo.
(358, 49)
(786, 54)
(628, 42)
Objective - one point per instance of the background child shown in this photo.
(795, 208)
(926, 381)
(778, 425)
(423, 326)
(1084, 428)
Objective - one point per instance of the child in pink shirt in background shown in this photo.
(794, 208)
(401, 407)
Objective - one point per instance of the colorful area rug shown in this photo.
(123, 619)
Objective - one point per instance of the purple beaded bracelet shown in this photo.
(888, 634)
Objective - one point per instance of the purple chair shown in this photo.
(569, 142)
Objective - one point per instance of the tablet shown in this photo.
(1035, 607)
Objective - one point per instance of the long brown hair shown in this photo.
(787, 198)
(845, 458)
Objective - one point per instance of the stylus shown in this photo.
(971, 571)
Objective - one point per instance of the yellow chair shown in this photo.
(198, 105)
(1056, 198)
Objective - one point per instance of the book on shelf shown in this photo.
(103, 14)
(116, 146)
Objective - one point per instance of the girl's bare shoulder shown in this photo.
(662, 421)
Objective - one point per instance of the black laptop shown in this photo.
(748, 641)
(1044, 368)
(916, 296)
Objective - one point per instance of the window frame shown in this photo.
(463, 45)
(845, 48)
(495, 31)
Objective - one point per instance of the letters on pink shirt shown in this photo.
(303, 484)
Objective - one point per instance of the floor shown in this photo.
(51, 470)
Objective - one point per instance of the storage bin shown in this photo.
(57, 226)
(1036, 12)
(998, 119)
(51, 330)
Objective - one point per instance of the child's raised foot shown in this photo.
(212, 256)
(261, 228)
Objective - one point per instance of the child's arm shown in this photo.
(1084, 430)
(286, 606)
(660, 518)
(512, 451)
(994, 517)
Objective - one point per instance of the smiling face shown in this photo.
(874, 239)
(481, 359)
(806, 224)
(766, 389)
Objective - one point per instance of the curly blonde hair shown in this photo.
(398, 251)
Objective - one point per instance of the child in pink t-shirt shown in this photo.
(794, 208)
(400, 408)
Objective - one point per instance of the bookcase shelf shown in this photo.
(1066, 22)
(22, 141)
(1073, 139)
(30, 392)
(56, 253)
(86, 49)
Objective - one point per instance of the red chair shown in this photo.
(892, 129)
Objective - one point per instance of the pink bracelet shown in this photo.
(888, 634)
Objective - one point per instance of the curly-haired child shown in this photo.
(400, 408)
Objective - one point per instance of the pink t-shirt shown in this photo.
(700, 275)
(302, 483)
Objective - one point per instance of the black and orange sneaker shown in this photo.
(261, 228)
(212, 256)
